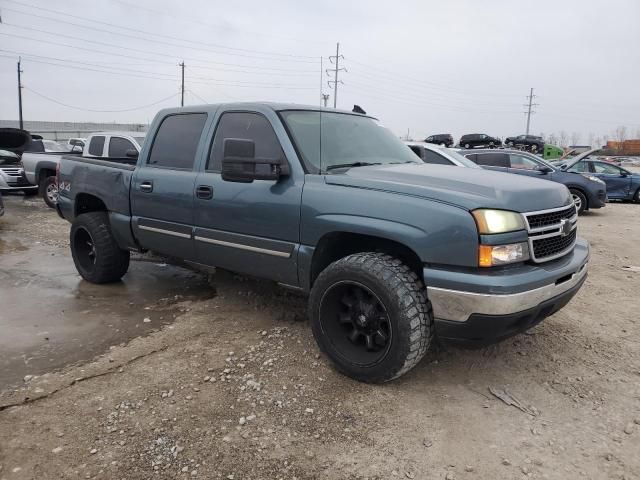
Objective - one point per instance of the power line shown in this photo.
(335, 59)
(98, 111)
(245, 50)
(118, 54)
(530, 105)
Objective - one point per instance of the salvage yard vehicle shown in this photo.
(622, 184)
(40, 167)
(474, 140)
(439, 156)
(528, 142)
(444, 139)
(390, 250)
(588, 190)
(13, 141)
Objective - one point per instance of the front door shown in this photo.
(618, 182)
(251, 228)
(162, 189)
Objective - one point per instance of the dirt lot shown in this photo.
(232, 386)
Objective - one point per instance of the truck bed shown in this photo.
(108, 179)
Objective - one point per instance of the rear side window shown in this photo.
(493, 159)
(118, 147)
(96, 147)
(416, 150)
(246, 126)
(580, 167)
(176, 141)
(436, 158)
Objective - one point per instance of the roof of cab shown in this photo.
(278, 107)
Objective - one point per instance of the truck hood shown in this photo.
(14, 140)
(468, 188)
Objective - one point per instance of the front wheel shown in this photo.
(579, 199)
(466, 145)
(370, 315)
(97, 256)
(49, 190)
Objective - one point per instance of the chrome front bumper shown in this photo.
(458, 305)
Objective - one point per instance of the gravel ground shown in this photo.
(235, 388)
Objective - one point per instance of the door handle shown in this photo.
(146, 187)
(205, 192)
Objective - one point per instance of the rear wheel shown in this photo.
(49, 190)
(579, 199)
(466, 145)
(369, 313)
(95, 252)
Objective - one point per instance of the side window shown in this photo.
(417, 150)
(96, 146)
(606, 168)
(118, 147)
(429, 139)
(493, 159)
(580, 167)
(433, 157)
(473, 157)
(176, 141)
(247, 126)
(522, 162)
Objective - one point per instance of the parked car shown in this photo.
(76, 142)
(441, 139)
(362, 225)
(587, 191)
(474, 140)
(12, 178)
(622, 184)
(528, 142)
(437, 155)
(40, 166)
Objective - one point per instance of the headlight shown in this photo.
(492, 255)
(497, 221)
(594, 179)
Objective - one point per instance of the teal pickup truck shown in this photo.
(391, 251)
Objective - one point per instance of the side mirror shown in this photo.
(239, 163)
(131, 153)
(544, 169)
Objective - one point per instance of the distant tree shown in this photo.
(598, 142)
(605, 139)
(591, 141)
(553, 139)
(637, 136)
(620, 136)
(575, 138)
(563, 139)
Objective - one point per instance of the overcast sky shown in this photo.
(427, 66)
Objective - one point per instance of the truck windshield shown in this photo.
(330, 139)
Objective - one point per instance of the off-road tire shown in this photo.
(111, 262)
(45, 184)
(404, 297)
(583, 200)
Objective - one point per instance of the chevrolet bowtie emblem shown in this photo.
(565, 227)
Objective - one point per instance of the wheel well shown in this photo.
(337, 245)
(584, 194)
(44, 173)
(86, 203)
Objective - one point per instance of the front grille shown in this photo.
(546, 219)
(552, 233)
(552, 246)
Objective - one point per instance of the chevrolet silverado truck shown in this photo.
(40, 165)
(391, 251)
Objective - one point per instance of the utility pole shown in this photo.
(528, 113)
(182, 88)
(325, 98)
(336, 60)
(20, 94)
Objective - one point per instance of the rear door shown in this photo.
(617, 180)
(162, 189)
(251, 228)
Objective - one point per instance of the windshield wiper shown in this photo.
(350, 165)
